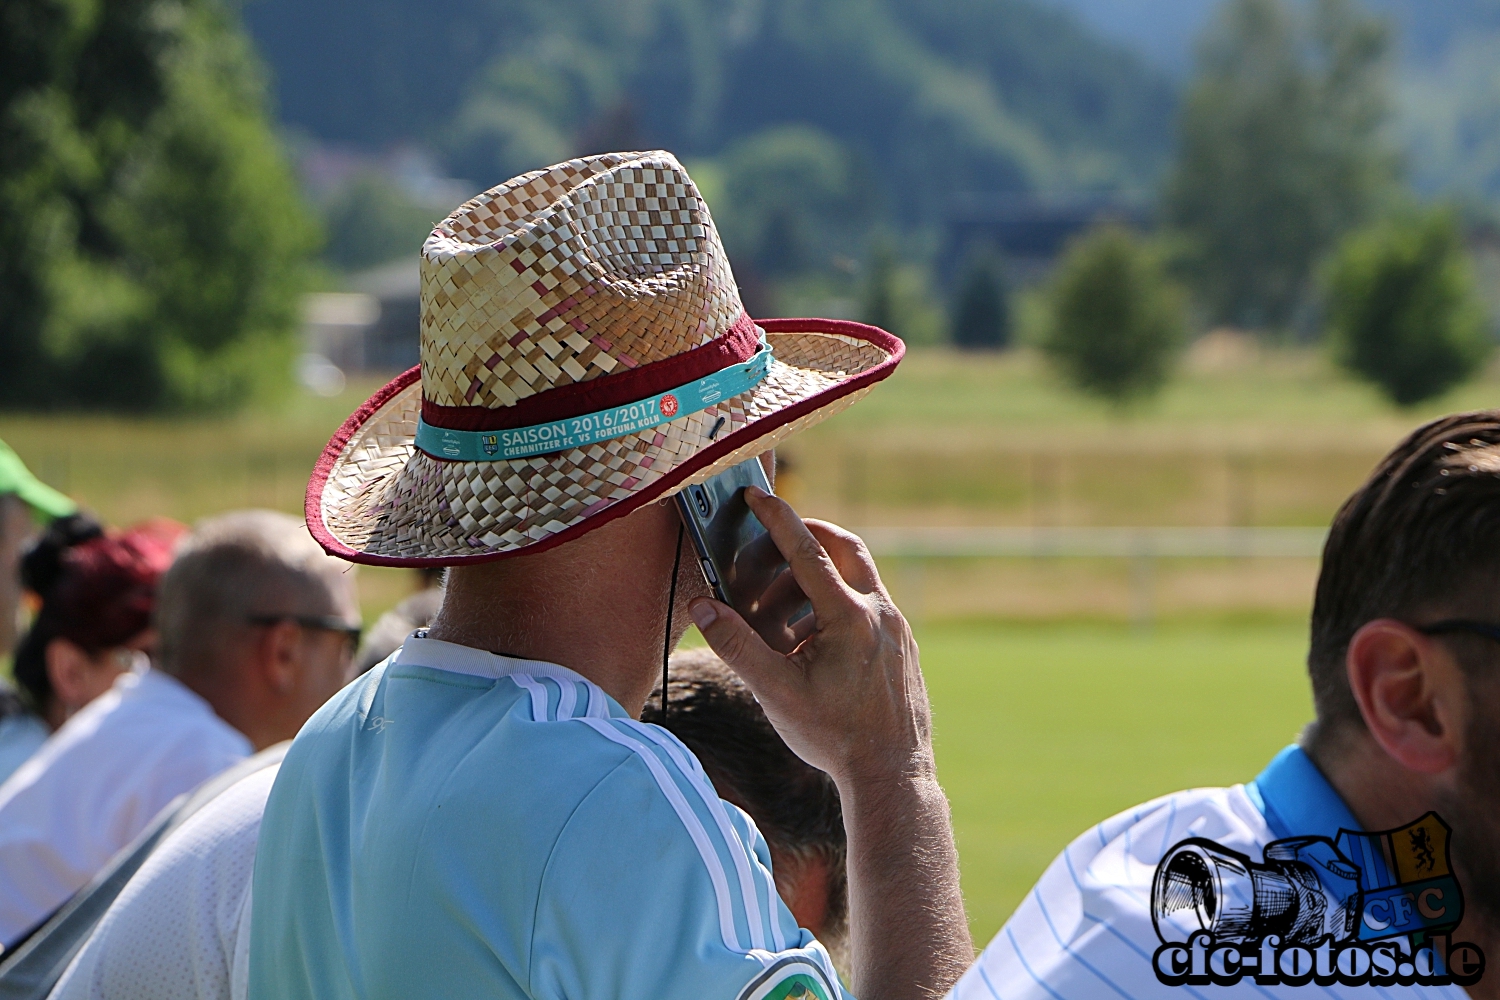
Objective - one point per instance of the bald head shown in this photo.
(238, 566)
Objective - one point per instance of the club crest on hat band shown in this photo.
(601, 425)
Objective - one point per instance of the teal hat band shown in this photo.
(601, 425)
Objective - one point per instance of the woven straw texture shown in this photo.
(568, 274)
(587, 268)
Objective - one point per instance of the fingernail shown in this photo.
(755, 492)
(703, 614)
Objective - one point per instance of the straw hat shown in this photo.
(583, 352)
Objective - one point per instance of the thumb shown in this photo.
(737, 644)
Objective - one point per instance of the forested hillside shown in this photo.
(1447, 77)
(928, 97)
(1165, 30)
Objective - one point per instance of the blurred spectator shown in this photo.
(21, 732)
(22, 497)
(94, 595)
(255, 631)
(179, 927)
(97, 592)
(20, 493)
(794, 805)
(392, 628)
(15, 528)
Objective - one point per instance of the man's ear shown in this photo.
(1410, 690)
(280, 656)
(69, 671)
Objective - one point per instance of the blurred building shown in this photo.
(372, 327)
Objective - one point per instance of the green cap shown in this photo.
(17, 480)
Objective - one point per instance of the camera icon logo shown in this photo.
(1370, 908)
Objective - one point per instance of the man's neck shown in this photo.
(1383, 795)
(596, 605)
(1380, 793)
(236, 703)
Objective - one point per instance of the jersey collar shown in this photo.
(1296, 800)
(420, 651)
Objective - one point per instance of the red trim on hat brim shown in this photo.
(314, 502)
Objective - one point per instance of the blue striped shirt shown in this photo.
(1085, 929)
(457, 823)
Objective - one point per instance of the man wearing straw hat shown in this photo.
(480, 815)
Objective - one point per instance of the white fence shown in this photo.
(1126, 543)
(916, 547)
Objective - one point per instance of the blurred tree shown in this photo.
(981, 311)
(936, 96)
(1403, 310)
(1117, 324)
(532, 103)
(151, 237)
(370, 220)
(878, 301)
(790, 200)
(900, 296)
(1281, 152)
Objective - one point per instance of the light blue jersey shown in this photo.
(461, 824)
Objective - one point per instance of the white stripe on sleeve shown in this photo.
(538, 696)
(567, 698)
(743, 865)
(690, 821)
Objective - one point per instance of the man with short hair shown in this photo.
(794, 805)
(258, 622)
(255, 627)
(482, 814)
(1405, 670)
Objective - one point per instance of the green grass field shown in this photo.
(1045, 728)
(1042, 731)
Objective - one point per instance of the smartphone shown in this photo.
(740, 561)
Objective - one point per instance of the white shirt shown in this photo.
(180, 929)
(1085, 930)
(96, 784)
(20, 736)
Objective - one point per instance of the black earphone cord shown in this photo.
(666, 642)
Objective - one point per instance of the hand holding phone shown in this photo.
(740, 560)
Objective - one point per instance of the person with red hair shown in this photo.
(97, 591)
